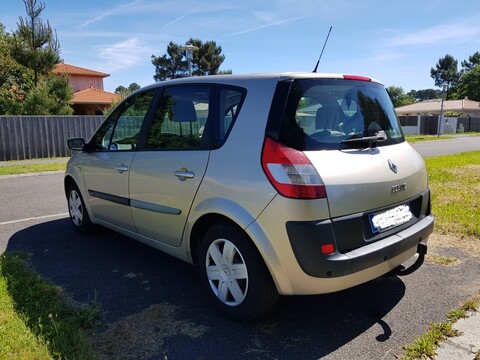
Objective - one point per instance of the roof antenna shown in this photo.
(318, 62)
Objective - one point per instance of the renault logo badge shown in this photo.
(392, 166)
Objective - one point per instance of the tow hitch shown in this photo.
(402, 270)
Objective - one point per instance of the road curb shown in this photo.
(41, 173)
(34, 161)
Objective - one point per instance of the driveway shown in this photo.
(154, 305)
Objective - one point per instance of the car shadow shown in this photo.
(161, 300)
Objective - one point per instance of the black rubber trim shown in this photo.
(144, 205)
(277, 108)
(135, 203)
(307, 238)
(109, 197)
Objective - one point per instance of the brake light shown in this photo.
(290, 172)
(356, 77)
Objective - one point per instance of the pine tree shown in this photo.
(36, 45)
(206, 60)
(446, 73)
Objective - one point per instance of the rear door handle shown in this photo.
(184, 174)
(121, 168)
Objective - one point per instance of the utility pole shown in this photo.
(444, 85)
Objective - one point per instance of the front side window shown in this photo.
(180, 119)
(333, 114)
(121, 129)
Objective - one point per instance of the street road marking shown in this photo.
(33, 218)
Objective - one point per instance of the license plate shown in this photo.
(391, 218)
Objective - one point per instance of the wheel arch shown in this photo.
(261, 293)
(67, 182)
(70, 180)
(262, 245)
(201, 226)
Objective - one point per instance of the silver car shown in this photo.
(272, 184)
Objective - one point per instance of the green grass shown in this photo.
(31, 168)
(455, 315)
(419, 138)
(36, 319)
(455, 184)
(471, 304)
(426, 345)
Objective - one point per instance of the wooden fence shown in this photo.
(470, 124)
(428, 125)
(31, 137)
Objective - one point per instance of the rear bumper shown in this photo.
(306, 239)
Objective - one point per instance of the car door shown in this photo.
(107, 168)
(165, 177)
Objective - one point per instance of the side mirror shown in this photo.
(76, 144)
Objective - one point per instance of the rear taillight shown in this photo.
(290, 172)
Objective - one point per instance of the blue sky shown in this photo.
(396, 42)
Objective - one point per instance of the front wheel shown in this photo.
(78, 213)
(235, 274)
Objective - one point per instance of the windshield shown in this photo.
(324, 114)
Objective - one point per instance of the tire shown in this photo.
(78, 213)
(235, 274)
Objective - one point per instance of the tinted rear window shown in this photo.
(321, 113)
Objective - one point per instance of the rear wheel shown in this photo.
(76, 208)
(235, 274)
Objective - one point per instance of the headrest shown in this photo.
(183, 111)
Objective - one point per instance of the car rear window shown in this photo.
(323, 114)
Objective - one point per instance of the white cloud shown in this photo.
(89, 35)
(265, 16)
(276, 23)
(180, 17)
(116, 10)
(381, 56)
(124, 54)
(149, 7)
(440, 34)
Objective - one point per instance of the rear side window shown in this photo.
(229, 100)
(321, 114)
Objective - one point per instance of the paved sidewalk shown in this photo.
(463, 347)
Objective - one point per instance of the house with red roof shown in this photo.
(89, 97)
(462, 107)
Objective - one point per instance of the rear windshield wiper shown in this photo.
(371, 140)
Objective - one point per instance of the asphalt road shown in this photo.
(154, 305)
(445, 147)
